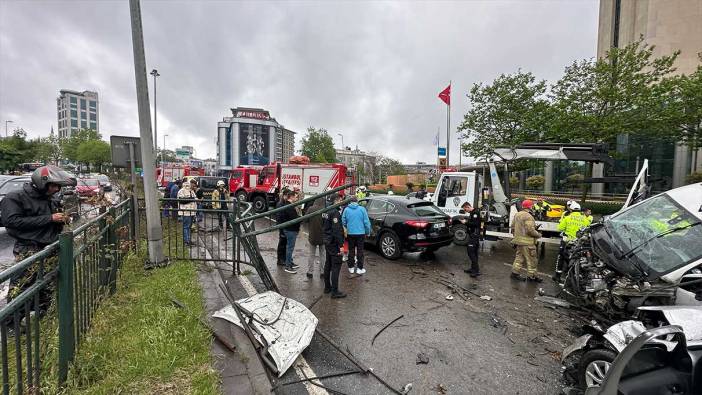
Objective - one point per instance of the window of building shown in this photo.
(82, 103)
(74, 123)
(93, 104)
(83, 124)
(74, 100)
(83, 115)
(74, 113)
(93, 125)
(93, 116)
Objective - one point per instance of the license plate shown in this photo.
(440, 225)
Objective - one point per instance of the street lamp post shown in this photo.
(6, 122)
(163, 148)
(155, 73)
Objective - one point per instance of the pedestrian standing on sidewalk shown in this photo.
(280, 252)
(333, 243)
(219, 202)
(187, 204)
(200, 196)
(524, 241)
(474, 224)
(289, 214)
(315, 237)
(174, 195)
(357, 225)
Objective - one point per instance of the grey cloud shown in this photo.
(369, 70)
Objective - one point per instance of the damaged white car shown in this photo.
(588, 360)
(647, 254)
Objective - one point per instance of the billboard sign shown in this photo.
(120, 151)
(254, 144)
(442, 151)
(182, 154)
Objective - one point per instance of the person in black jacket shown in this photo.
(34, 219)
(333, 243)
(473, 222)
(281, 233)
(289, 214)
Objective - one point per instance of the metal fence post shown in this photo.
(112, 243)
(134, 219)
(103, 248)
(66, 335)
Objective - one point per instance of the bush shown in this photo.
(513, 181)
(694, 177)
(535, 182)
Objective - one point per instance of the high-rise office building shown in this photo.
(76, 111)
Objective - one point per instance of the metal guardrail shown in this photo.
(88, 258)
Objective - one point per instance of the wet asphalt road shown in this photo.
(510, 344)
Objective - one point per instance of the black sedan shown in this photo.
(406, 224)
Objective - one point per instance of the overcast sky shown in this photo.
(368, 70)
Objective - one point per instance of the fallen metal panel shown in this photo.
(286, 325)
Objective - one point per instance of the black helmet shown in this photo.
(50, 174)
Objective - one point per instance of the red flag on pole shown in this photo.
(445, 95)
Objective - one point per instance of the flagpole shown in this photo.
(438, 144)
(448, 129)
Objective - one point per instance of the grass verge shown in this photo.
(140, 343)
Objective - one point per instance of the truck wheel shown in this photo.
(242, 196)
(460, 234)
(594, 365)
(260, 204)
(389, 245)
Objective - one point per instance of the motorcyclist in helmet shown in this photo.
(33, 218)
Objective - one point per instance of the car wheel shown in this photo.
(460, 235)
(260, 204)
(389, 245)
(594, 366)
(242, 196)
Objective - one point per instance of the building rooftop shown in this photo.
(63, 91)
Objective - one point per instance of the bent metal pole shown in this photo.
(153, 219)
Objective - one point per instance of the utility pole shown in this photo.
(155, 73)
(6, 122)
(163, 148)
(343, 147)
(153, 218)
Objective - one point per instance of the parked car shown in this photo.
(11, 183)
(88, 187)
(105, 182)
(406, 224)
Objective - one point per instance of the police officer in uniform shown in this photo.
(569, 225)
(333, 243)
(473, 222)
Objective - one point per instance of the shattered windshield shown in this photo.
(659, 233)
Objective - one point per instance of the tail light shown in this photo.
(417, 224)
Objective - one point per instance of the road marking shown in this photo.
(302, 368)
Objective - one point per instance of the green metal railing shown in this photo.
(88, 258)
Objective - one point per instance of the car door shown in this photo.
(376, 214)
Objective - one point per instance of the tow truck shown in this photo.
(497, 209)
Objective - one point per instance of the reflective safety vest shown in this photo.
(571, 224)
(360, 195)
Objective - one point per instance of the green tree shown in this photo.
(94, 152)
(686, 97)
(388, 167)
(318, 146)
(625, 92)
(168, 155)
(70, 144)
(508, 112)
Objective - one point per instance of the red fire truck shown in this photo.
(262, 184)
(176, 171)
